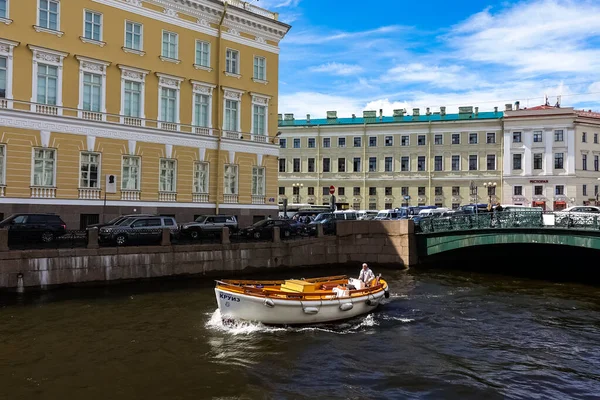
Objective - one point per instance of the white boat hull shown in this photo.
(290, 312)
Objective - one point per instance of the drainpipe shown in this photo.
(365, 165)
(219, 108)
(501, 164)
(319, 167)
(429, 159)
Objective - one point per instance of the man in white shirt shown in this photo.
(366, 275)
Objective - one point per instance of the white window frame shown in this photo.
(81, 153)
(168, 57)
(226, 179)
(260, 100)
(3, 164)
(6, 19)
(139, 175)
(459, 163)
(259, 79)
(384, 164)
(469, 162)
(39, 28)
(194, 178)
(198, 65)
(96, 67)
(495, 162)
(255, 179)
(205, 89)
(126, 49)
(236, 73)
(6, 51)
(173, 188)
(33, 150)
(47, 57)
(170, 82)
(91, 40)
(134, 75)
(234, 95)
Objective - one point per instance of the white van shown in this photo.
(432, 211)
(345, 215)
(387, 214)
(366, 214)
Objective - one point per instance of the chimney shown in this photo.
(288, 117)
(331, 114)
(508, 107)
(381, 114)
(353, 116)
(517, 104)
(442, 110)
(428, 111)
(279, 117)
(370, 114)
(399, 113)
(416, 112)
(495, 110)
(307, 117)
(476, 110)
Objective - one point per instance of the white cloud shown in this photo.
(310, 38)
(337, 69)
(449, 76)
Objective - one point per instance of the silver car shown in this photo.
(138, 229)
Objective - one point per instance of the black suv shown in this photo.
(117, 220)
(44, 227)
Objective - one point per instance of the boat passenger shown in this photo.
(366, 275)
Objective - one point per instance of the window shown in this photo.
(439, 191)
(387, 206)
(421, 140)
(389, 141)
(372, 141)
(341, 191)
(472, 138)
(326, 165)
(168, 172)
(311, 191)
(326, 143)
(342, 142)
(260, 68)
(372, 164)
(388, 191)
(258, 181)
(230, 179)
(473, 162)
(296, 143)
(389, 164)
(538, 190)
(296, 164)
(455, 163)
(421, 191)
(558, 136)
(583, 138)
(404, 140)
(357, 141)
(356, 206)
(537, 161)
(341, 165)
(201, 110)
(405, 164)
(232, 63)
(372, 206)
(169, 45)
(92, 27)
(455, 190)
(3, 76)
(312, 143)
(559, 190)
(518, 191)
(404, 190)
(456, 138)
(584, 162)
(558, 160)
(133, 36)
(282, 143)
(537, 136)
(259, 120)
(282, 163)
(4, 9)
(438, 139)
(438, 163)
(202, 54)
(231, 115)
(491, 162)
(596, 163)
(201, 177)
(325, 191)
(89, 167)
(48, 13)
(92, 92)
(421, 163)
(584, 187)
(44, 161)
(490, 138)
(372, 191)
(47, 84)
(517, 161)
(596, 138)
(516, 137)
(131, 173)
(132, 99)
(168, 104)
(491, 191)
(356, 191)
(356, 163)
(596, 188)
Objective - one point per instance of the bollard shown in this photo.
(225, 235)
(4, 240)
(166, 237)
(276, 234)
(320, 230)
(20, 285)
(92, 238)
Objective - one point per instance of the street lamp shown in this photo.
(489, 186)
(299, 186)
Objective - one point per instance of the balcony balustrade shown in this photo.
(89, 193)
(258, 199)
(200, 197)
(130, 195)
(230, 198)
(167, 196)
(43, 192)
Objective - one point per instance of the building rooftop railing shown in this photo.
(253, 9)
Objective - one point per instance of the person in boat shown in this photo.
(366, 275)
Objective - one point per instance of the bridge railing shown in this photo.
(506, 219)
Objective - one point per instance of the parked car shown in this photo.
(43, 227)
(209, 224)
(387, 215)
(578, 216)
(117, 220)
(264, 229)
(366, 214)
(138, 229)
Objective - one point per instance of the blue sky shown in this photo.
(351, 56)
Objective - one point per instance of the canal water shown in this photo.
(450, 335)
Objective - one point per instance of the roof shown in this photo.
(487, 115)
(588, 114)
(542, 107)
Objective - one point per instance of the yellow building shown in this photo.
(121, 106)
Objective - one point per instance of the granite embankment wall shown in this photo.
(385, 243)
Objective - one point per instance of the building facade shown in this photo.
(378, 162)
(121, 106)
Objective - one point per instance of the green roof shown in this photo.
(390, 120)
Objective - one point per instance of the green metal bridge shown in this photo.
(442, 234)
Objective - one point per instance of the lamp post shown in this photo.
(299, 186)
(473, 188)
(489, 186)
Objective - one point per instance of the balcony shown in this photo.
(89, 193)
(2, 190)
(232, 135)
(230, 199)
(43, 192)
(3, 103)
(130, 195)
(92, 115)
(259, 138)
(258, 199)
(200, 197)
(45, 109)
(169, 126)
(167, 196)
(132, 121)
(200, 130)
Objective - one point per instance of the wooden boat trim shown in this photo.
(281, 282)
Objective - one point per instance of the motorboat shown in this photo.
(299, 301)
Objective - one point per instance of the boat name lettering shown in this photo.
(229, 297)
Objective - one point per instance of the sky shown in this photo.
(349, 56)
